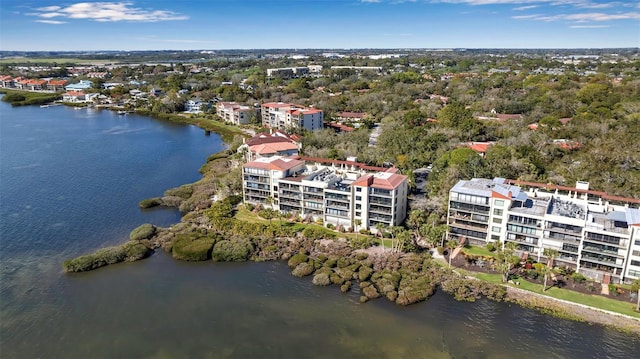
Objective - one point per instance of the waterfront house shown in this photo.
(79, 86)
(56, 85)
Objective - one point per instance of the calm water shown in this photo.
(70, 182)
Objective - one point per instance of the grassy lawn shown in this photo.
(242, 214)
(478, 251)
(566, 294)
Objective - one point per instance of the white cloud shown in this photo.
(528, 7)
(108, 12)
(370, 1)
(583, 17)
(589, 26)
(52, 22)
(49, 8)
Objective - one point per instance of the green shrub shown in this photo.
(236, 250)
(491, 247)
(577, 277)
(144, 231)
(330, 226)
(190, 249)
(303, 269)
(321, 279)
(150, 202)
(296, 259)
(130, 251)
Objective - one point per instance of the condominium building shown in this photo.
(235, 113)
(341, 193)
(286, 116)
(595, 233)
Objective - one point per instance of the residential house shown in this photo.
(80, 86)
(56, 85)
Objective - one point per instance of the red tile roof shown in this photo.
(380, 180)
(58, 82)
(340, 127)
(479, 146)
(277, 164)
(273, 148)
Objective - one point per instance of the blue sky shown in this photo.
(245, 24)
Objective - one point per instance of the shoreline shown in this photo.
(194, 223)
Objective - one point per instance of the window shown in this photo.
(495, 238)
(499, 202)
(358, 206)
(358, 189)
(358, 214)
(495, 229)
(635, 253)
(497, 212)
(497, 220)
(358, 198)
(635, 263)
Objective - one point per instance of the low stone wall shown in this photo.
(573, 310)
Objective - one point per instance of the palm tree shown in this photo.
(551, 254)
(380, 227)
(357, 222)
(452, 244)
(546, 272)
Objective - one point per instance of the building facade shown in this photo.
(286, 116)
(594, 233)
(235, 113)
(341, 193)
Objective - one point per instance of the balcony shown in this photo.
(609, 241)
(377, 209)
(479, 218)
(560, 228)
(596, 249)
(381, 218)
(337, 197)
(290, 194)
(313, 197)
(475, 208)
(334, 204)
(264, 187)
(469, 225)
(381, 202)
(257, 179)
(380, 192)
(251, 192)
(607, 261)
(290, 202)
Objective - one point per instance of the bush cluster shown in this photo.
(192, 249)
(235, 250)
(129, 252)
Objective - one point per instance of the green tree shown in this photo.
(454, 114)
(505, 260)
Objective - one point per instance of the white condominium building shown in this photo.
(286, 116)
(595, 233)
(235, 113)
(338, 192)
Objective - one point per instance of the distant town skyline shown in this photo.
(251, 24)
